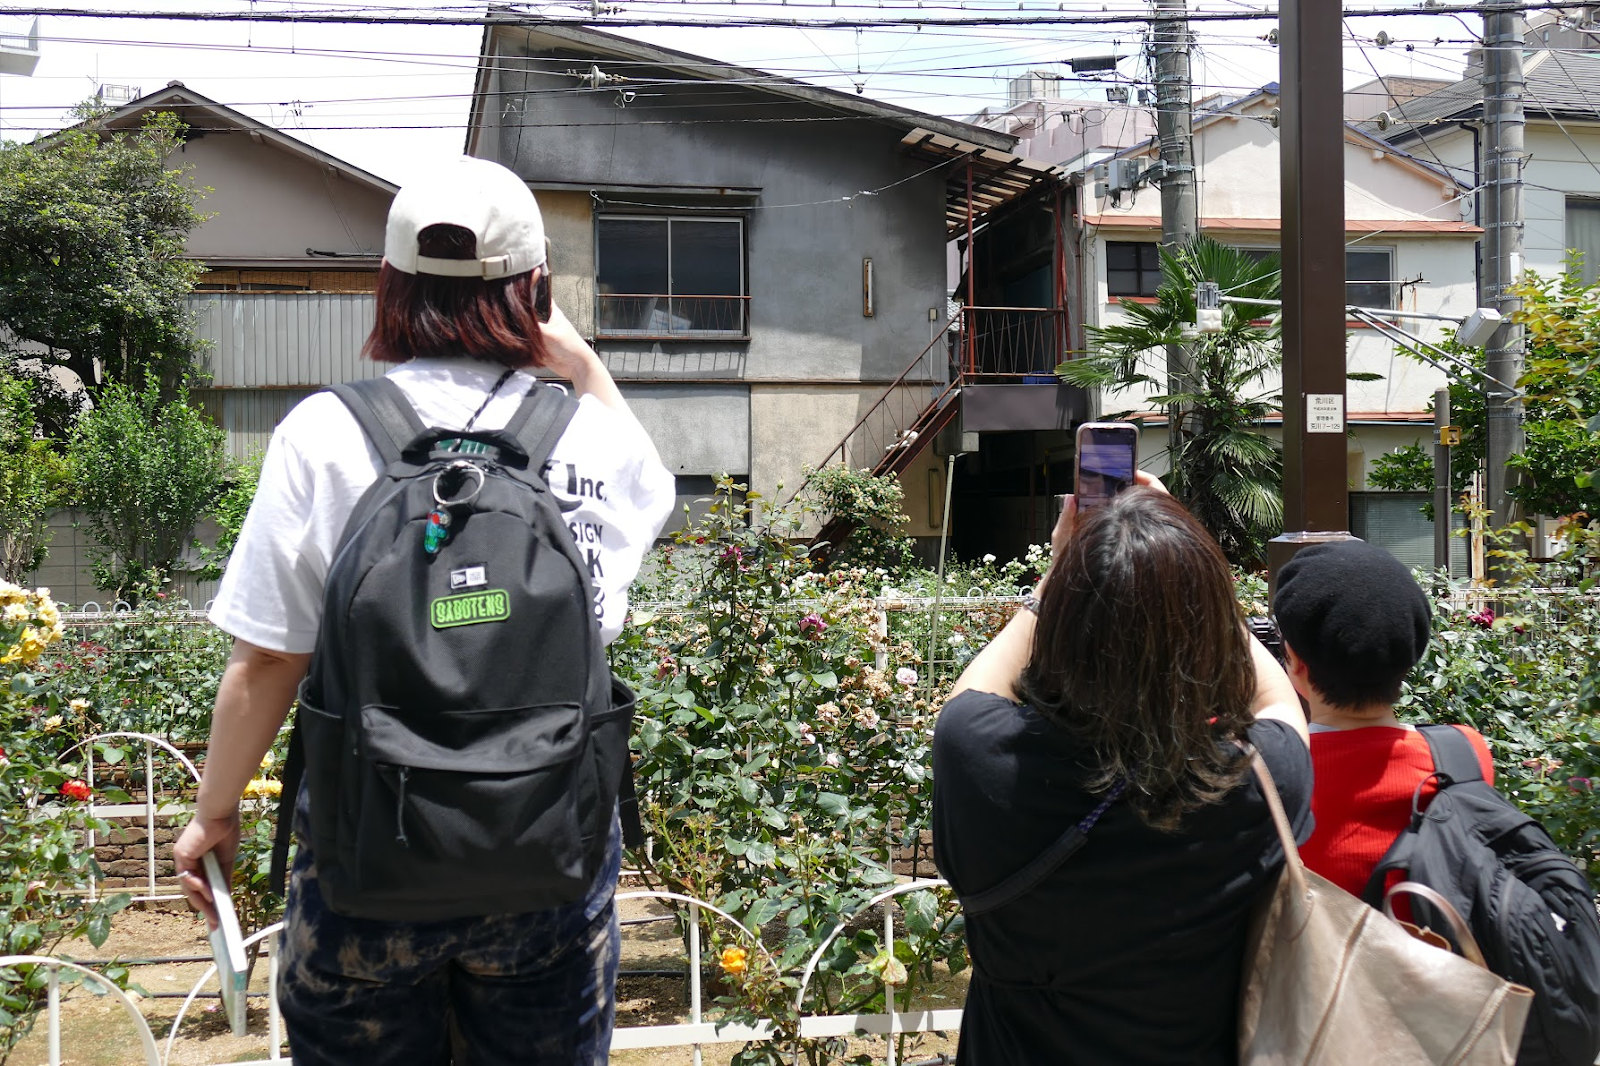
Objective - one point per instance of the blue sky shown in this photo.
(391, 98)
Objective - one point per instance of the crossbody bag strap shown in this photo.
(1027, 879)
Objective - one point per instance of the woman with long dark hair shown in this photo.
(1092, 806)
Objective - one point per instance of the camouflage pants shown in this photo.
(520, 988)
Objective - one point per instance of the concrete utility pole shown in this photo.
(1316, 497)
(1169, 46)
(1504, 122)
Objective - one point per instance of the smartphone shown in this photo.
(541, 295)
(1108, 454)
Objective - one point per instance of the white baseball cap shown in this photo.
(476, 195)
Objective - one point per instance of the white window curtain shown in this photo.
(1583, 235)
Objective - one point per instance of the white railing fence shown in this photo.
(692, 1035)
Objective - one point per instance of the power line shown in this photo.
(590, 22)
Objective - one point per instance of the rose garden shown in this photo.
(782, 755)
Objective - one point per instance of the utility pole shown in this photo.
(1169, 46)
(1503, 144)
(1316, 494)
(1442, 510)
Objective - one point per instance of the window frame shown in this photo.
(1591, 260)
(1140, 271)
(1391, 279)
(669, 218)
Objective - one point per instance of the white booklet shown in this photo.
(227, 946)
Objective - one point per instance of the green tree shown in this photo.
(1559, 465)
(31, 473)
(145, 471)
(1225, 468)
(92, 230)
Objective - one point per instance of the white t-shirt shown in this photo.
(319, 463)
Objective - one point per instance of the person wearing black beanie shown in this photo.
(1354, 623)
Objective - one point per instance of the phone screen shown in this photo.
(1107, 455)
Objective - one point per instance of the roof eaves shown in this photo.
(177, 94)
(903, 118)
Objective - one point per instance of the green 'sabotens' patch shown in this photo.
(470, 608)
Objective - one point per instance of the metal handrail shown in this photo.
(838, 450)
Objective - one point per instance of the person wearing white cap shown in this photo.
(463, 308)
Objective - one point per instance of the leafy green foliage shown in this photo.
(1559, 466)
(784, 749)
(145, 471)
(154, 669)
(31, 473)
(94, 223)
(1224, 467)
(873, 506)
(239, 491)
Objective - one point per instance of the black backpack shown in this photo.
(1529, 907)
(462, 739)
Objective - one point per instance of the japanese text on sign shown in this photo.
(1324, 412)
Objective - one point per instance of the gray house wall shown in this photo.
(794, 172)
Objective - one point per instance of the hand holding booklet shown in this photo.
(227, 946)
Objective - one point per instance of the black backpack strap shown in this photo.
(1453, 754)
(1455, 762)
(1027, 879)
(384, 413)
(539, 422)
(628, 810)
(294, 766)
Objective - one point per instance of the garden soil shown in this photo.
(97, 1032)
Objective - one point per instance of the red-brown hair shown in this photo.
(463, 318)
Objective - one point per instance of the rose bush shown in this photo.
(44, 867)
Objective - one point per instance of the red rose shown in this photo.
(75, 790)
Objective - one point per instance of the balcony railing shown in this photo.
(1008, 344)
(646, 316)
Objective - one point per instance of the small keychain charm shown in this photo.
(438, 530)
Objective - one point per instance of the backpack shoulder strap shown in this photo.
(384, 414)
(1453, 754)
(1026, 879)
(538, 423)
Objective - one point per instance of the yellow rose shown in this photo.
(261, 789)
(77, 706)
(52, 723)
(735, 960)
(15, 614)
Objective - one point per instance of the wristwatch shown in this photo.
(1030, 602)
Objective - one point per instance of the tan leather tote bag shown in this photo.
(1330, 981)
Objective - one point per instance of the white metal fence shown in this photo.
(691, 1035)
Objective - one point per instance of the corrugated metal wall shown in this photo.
(272, 339)
(248, 416)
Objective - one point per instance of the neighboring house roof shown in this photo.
(204, 114)
(1559, 85)
(1355, 133)
(609, 45)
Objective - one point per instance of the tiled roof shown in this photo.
(1561, 84)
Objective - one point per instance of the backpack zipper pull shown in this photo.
(400, 809)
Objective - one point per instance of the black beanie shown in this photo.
(1349, 607)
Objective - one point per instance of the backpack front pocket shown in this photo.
(475, 803)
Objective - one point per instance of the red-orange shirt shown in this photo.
(1364, 783)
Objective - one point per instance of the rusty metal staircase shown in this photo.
(903, 421)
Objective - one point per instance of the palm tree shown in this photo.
(1228, 472)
